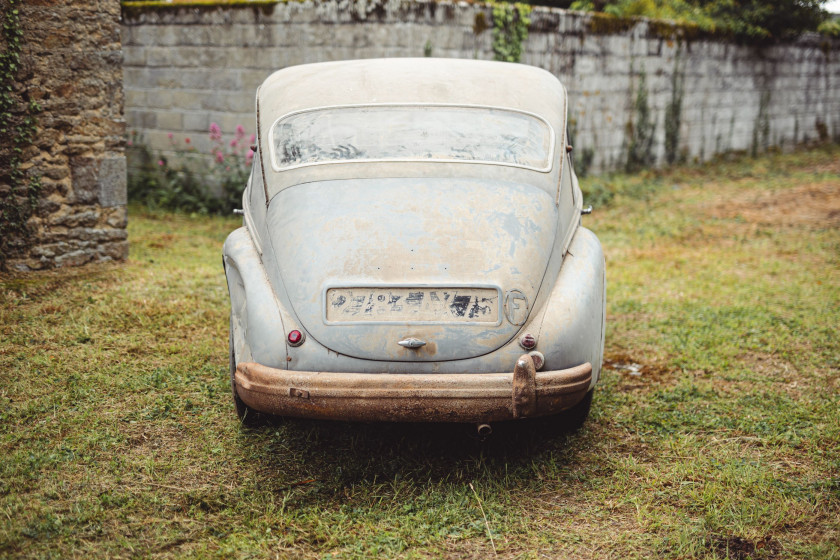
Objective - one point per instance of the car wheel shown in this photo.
(572, 420)
(247, 415)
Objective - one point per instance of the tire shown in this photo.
(247, 415)
(572, 420)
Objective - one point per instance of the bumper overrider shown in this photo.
(479, 397)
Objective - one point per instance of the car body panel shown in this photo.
(330, 248)
(411, 234)
(423, 82)
(578, 288)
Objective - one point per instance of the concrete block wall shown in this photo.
(186, 67)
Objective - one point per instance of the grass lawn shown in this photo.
(715, 431)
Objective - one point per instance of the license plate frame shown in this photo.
(402, 304)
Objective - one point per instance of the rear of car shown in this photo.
(412, 248)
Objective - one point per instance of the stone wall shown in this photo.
(71, 67)
(186, 67)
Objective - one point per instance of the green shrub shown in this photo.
(830, 27)
(155, 183)
(748, 20)
(510, 29)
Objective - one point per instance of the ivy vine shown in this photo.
(673, 113)
(510, 29)
(19, 194)
(640, 151)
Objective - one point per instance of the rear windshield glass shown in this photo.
(412, 133)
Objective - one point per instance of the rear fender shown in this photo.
(571, 331)
(256, 316)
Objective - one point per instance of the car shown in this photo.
(412, 248)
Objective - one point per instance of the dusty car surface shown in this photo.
(412, 248)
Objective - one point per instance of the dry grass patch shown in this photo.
(815, 206)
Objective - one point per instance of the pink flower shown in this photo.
(170, 136)
(249, 157)
(215, 132)
(253, 138)
(187, 140)
(233, 143)
(240, 132)
(130, 143)
(220, 157)
(160, 162)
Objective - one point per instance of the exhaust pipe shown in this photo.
(484, 430)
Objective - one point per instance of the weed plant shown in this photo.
(156, 183)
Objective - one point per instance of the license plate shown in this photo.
(413, 305)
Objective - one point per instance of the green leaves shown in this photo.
(158, 184)
(510, 29)
(747, 20)
(641, 131)
(17, 207)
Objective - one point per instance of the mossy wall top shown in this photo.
(188, 66)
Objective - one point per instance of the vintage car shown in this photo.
(412, 248)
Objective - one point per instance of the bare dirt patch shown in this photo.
(812, 205)
(161, 241)
(774, 367)
(743, 548)
(796, 381)
(635, 374)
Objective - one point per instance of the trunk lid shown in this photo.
(370, 263)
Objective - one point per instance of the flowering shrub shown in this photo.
(155, 183)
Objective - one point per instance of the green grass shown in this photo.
(715, 432)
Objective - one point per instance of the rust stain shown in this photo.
(485, 397)
(429, 349)
(524, 387)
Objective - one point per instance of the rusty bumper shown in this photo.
(479, 397)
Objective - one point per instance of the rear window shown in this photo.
(412, 133)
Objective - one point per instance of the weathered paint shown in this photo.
(421, 234)
(465, 397)
(564, 341)
(408, 275)
(435, 304)
(407, 80)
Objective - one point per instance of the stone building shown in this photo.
(62, 174)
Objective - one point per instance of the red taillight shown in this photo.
(528, 342)
(295, 338)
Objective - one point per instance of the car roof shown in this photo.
(409, 81)
(412, 80)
